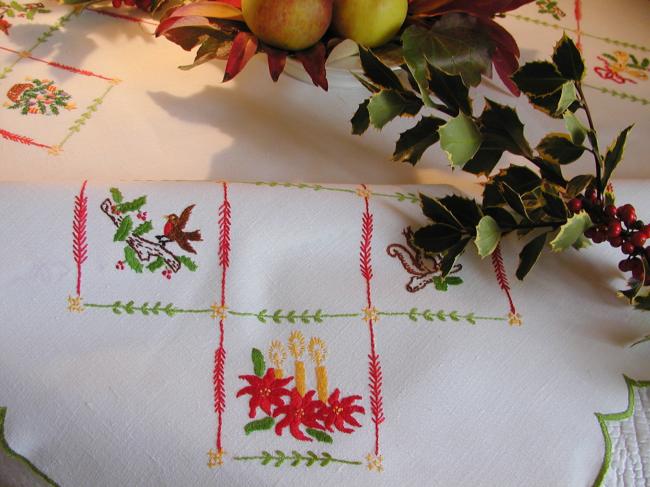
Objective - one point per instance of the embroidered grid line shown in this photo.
(375, 376)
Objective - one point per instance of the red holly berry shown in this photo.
(638, 239)
(614, 228)
(599, 236)
(615, 241)
(627, 214)
(627, 248)
(575, 205)
(610, 211)
(624, 265)
(591, 195)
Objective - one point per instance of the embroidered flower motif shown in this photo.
(514, 319)
(24, 54)
(339, 412)
(265, 391)
(70, 106)
(218, 312)
(215, 458)
(375, 462)
(363, 192)
(301, 410)
(370, 314)
(74, 304)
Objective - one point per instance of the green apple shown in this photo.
(370, 23)
(288, 24)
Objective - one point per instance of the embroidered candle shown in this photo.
(297, 348)
(318, 353)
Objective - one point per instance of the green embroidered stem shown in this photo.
(409, 197)
(39, 40)
(293, 316)
(52, 29)
(295, 459)
(129, 308)
(619, 94)
(6, 449)
(76, 125)
(441, 315)
(603, 419)
(608, 40)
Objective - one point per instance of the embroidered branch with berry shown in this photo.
(141, 252)
(534, 201)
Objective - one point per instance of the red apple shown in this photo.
(288, 24)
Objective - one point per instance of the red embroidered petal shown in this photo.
(294, 428)
(246, 390)
(350, 420)
(334, 397)
(281, 425)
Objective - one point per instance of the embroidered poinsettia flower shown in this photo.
(339, 412)
(265, 391)
(301, 410)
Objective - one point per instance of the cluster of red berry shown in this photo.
(620, 227)
(142, 215)
(120, 265)
(167, 273)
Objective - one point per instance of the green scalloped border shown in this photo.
(604, 418)
(4, 446)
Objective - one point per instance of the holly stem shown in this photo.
(593, 140)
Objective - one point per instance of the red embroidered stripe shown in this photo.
(220, 353)
(79, 239)
(58, 65)
(21, 139)
(502, 278)
(375, 376)
(578, 14)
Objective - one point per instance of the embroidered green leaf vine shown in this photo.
(259, 365)
(319, 435)
(259, 425)
(295, 459)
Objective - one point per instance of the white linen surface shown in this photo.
(96, 398)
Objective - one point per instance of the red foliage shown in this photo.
(313, 60)
(244, 47)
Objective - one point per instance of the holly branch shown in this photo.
(533, 200)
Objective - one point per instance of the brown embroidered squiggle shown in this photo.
(423, 269)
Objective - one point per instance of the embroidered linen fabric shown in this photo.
(120, 371)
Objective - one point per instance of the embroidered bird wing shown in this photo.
(185, 216)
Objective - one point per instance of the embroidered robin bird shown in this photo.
(174, 231)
